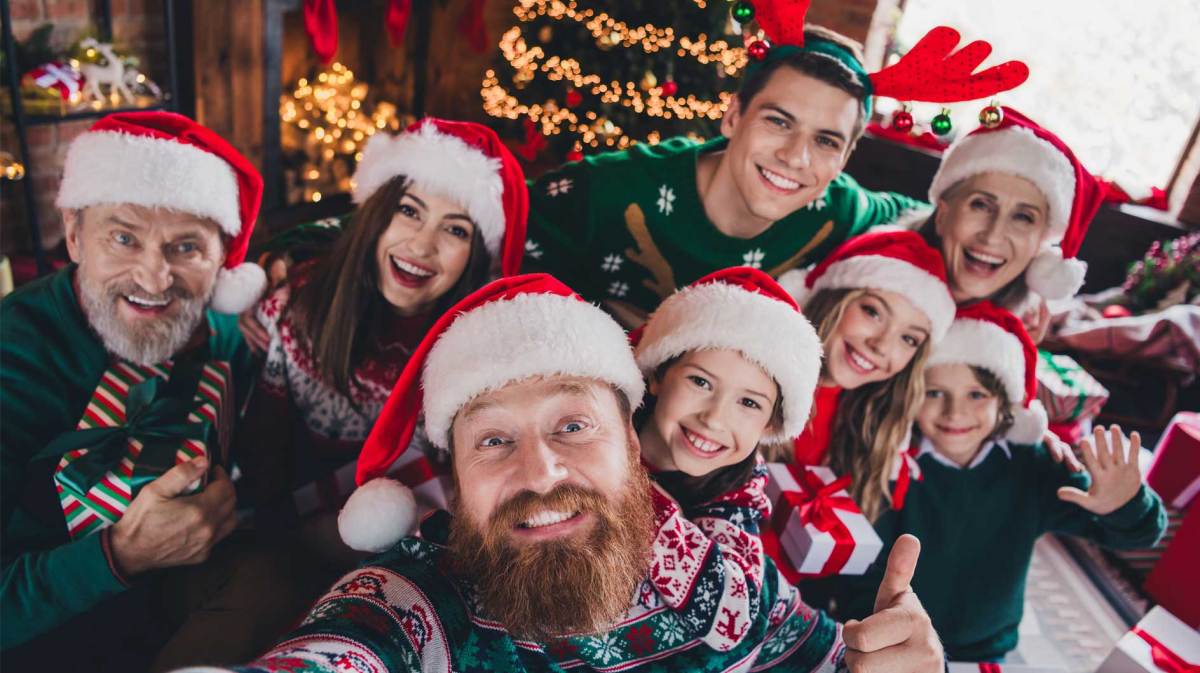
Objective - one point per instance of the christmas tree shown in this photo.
(581, 76)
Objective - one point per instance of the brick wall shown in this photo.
(137, 27)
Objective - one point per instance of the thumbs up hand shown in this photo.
(898, 637)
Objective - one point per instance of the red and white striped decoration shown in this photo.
(110, 497)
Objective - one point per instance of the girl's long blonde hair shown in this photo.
(873, 420)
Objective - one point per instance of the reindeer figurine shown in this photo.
(112, 73)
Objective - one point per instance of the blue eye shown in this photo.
(700, 381)
(572, 427)
(123, 238)
(186, 248)
(490, 442)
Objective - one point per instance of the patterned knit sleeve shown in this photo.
(374, 619)
(798, 639)
(270, 313)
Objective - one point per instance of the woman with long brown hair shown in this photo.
(442, 210)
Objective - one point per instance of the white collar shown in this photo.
(926, 446)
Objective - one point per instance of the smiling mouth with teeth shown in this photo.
(546, 518)
(411, 269)
(858, 360)
(778, 180)
(977, 259)
(144, 303)
(701, 443)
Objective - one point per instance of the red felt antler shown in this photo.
(930, 73)
(782, 20)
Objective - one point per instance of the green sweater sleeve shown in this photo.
(863, 208)
(560, 230)
(1137, 524)
(43, 589)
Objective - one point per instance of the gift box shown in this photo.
(820, 529)
(987, 667)
(1175, 471)
(139, 423)
(1069, 393)
(1160, 643)
(1174, 583)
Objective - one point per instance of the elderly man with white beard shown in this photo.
(558, 552)
(122, 355)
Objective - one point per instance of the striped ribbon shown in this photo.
(110, 497)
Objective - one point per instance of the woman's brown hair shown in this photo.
(874, 419)
(337, 308)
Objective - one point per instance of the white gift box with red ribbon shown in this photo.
(820, 529)
(1160, 643)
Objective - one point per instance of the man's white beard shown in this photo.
(158, 339)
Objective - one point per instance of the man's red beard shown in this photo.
(581, 584)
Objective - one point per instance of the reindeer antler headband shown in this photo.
(929, 72)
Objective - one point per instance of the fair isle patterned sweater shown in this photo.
(710, 602)
(335, 424)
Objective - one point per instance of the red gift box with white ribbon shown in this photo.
(1160, 643)
(820, 528)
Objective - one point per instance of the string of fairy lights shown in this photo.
(648, 97)
(331, 121)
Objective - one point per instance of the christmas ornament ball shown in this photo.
(757, 50)
(574, 97)
(742, 12)
(902, 121)
(574, 155)
(670, 88)
(940, 124)
(991, 116)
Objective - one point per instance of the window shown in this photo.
(1118, 81)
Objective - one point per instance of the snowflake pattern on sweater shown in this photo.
(289, 373)
(401, 612)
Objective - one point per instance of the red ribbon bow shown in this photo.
(1163, 657)
(817, 504)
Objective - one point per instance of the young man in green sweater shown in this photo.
(630, 227)
(158, 210)
(987, 489)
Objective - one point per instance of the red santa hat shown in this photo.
(985, 335)
(896, 261)
(464, 161)
(744, 310)
(510, 330)
(1018, 146)
(165, 160)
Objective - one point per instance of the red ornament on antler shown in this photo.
(782, 20)
(930, 73)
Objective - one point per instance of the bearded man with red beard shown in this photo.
(560, 553)
(119, 356)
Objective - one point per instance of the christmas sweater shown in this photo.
(402, 612)
(50, 364)
(978, 526)
(630, 226)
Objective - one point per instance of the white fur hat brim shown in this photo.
(925, 291)
(109, 167)
(767, 331)
(1014, 151)
(985, 344)
(512, 340)
(441, 163)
